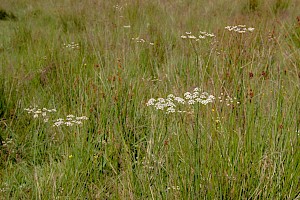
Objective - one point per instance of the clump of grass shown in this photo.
(3, 103)
(280, 6)
(253, 5)
(72, 22)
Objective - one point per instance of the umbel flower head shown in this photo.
(141, 40)
(70, 121)
(40, 113)
(44, 113)
(173, 103)
(239, 29)
(202, 35)
(71, 45)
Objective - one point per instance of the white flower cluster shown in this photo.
(138, 40)
(202, 35)
(239, 28)
(72, 45)
(70, 121)
(7, 142)
(271, 36)
(37, 112)
(226, 99)
(4, 187)
(117, 7)
(169, 104)
(152, 161)
(173, 188)
(141, 40)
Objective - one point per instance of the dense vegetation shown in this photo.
(76, 78)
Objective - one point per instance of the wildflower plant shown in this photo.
(118, 7)
(45, 114)
(239, 29)
(202, 35)
(188, 36)
(141, 40)
(71, 45)
(9, 146)
(190, 144)
(70, 120)
(138, 40)
(40, 113)
(4, 187)
(173, 188)
(227, 100)
(173, 103)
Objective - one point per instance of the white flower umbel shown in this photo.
(71, 45)
(179, 100)
(174, 104)
(45, 114)
(141, 40)
(151, 102)
(239, 29)
(202, 35)
(40, 113)
(70, 120)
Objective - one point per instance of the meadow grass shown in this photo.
(101, 61)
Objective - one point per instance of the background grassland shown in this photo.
(127, 150)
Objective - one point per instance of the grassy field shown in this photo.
(161, 99)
